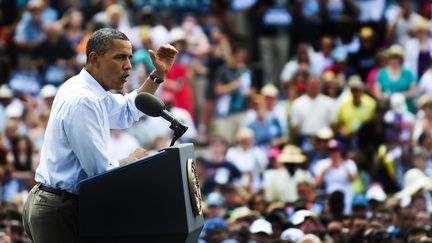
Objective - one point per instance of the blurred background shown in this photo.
(311, 119)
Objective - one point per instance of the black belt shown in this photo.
(57, 191)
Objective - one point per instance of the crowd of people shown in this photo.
(311, 119)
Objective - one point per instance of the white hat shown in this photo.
(48, 91)
(291, 234)
(269, 90)
(242, 212)
(15, 109)
(261, 225)
(375, 192)
(414, 180)
(5, 91)
(300, 216)
(311, 238)
(176, 34)
(244, 133)
(325, 133)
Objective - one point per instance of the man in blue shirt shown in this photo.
(76, 139)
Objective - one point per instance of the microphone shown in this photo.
(152, 106)
(155, 107)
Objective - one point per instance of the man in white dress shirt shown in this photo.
(311, 112)
(77, 135)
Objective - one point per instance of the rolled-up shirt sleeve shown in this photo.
(122, 109)
(87, 138)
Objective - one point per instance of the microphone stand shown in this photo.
(179, 129)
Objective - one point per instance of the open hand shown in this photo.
(163, 59)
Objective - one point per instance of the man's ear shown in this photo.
(93, 57)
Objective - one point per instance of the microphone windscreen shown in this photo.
(149, 104)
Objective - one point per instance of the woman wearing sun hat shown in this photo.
(395, 78)
(281, 184)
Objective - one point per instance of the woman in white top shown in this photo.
(248, 158)
(336, 173)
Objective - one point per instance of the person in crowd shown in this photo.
(233, 85)
(419, 49)
(400, 26)
(307, 16)
(305, 123)
(218, 170)
(332, 86)
(425, 83)
(281, 184)
(198, 45)
(354, 111)
(335, 13)
(258, 203)
(215, 231)
(336, 173)
(178, 78)
(323, 58)
(395, 78)
(30, 29)
(424, 119)
(113, 15)
(301, 62)
(309, 223)
(267, 129)
(22, 159)
(290, 92)
(340, 67)
(380, 62)
(320, 141)
(271, 99)
(400, 117)
(73, 23)
(54, 58)
(248, 158)
(273, 35)
(214, 206)
(261, 231)
(364, 60)
(196, 41)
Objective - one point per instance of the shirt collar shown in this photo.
(93, 84)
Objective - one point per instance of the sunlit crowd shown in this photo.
(311, 119)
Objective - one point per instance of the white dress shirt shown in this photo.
(78, 131)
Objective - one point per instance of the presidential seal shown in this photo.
(194, 186)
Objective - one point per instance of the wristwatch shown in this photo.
(155, 79)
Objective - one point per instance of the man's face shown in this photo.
(114, 66)
(357, 94)
(313, 86)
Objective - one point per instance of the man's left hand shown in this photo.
(163, 59)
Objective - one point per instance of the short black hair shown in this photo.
(101, 40)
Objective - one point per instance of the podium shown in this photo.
(154, 199)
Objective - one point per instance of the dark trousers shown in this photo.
(49, 217)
